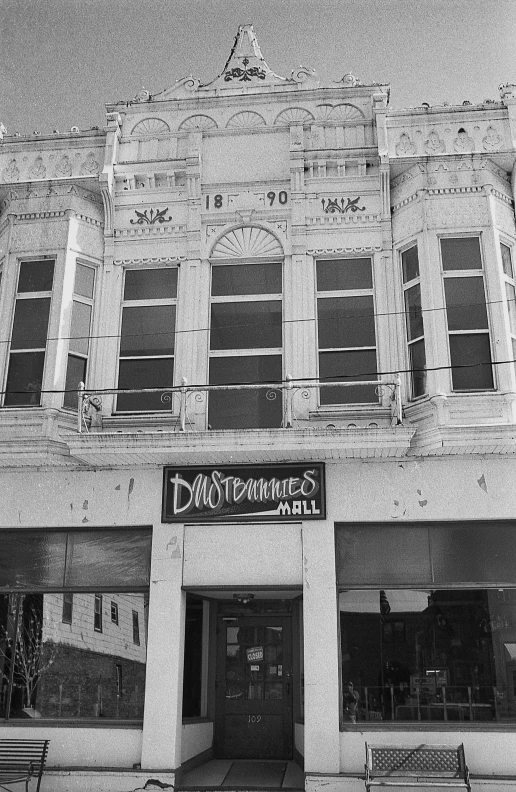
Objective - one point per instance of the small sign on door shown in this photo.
(254, 654)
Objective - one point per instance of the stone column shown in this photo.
(162, 722)
(321, 649)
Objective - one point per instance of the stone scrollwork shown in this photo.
(63, 167)
(434, 144)
(38, 170)
(492, 140)
(463, 143)
(90, 166)
(405, 147)
(150, 217)
(342, 205)
(11, 173)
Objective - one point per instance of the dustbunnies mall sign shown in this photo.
(244, 492)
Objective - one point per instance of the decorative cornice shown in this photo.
(143, 262)
(345, 250)
(147, 231)
(343, 219)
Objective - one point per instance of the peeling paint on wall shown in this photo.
(482, 483)
(173, 548)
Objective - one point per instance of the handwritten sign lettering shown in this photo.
(244, 492)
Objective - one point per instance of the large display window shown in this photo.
(427, 617)
(73, 624)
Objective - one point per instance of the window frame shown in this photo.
(509, 281)
(342, 294)
(67, 613)
(448, 274)
(142, 303)
(84, 300)
(229, 299)
(406, 285)
(97, 613)
(22, 296)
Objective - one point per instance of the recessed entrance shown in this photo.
(254, 686)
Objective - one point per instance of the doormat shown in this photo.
(255, 774)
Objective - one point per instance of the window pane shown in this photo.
(148, 330)
(473, 352)
(75, 373)
(344, 274)
(413, 312)
(56, 677)
(84, 280)
(80, 328)
(36, 276)
(246, 325)
(153, 373)
(151, 284)
(32, 559)
(427, 655)
(506, 260)
(30, 324)
(461, 253)
(417, 367)
(346, 322)
(348, 366)
(510, 293)
(245, 409)
(24, 379)
(410, 264)
(465, 303)
(246, 279)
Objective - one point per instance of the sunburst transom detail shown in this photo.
(197, 122)
(246, 120)
(247, 242)
(293, 115)
(150, 126)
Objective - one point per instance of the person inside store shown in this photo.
(351, 698)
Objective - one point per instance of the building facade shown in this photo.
(258, 431)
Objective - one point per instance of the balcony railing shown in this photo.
(181, 396)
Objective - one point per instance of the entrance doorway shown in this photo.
(254, 687)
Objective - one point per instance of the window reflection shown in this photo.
(423, 655)
(52, 668)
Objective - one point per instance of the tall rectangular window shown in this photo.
(97, 613)
(346, 329)
(414, 320)
(136, 628)
(147, 338)
(510, 293)
(29, 334)
(468, 327)
(67, 607)
(246, 341)
(80, 330)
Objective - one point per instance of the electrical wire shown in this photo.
(374, 376)
(338, 318)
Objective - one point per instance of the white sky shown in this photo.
(62, 60)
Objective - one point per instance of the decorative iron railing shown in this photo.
(180, 397)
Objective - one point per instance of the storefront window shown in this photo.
(428, 620)
(62, 655)
(52, 669)
(429, 655)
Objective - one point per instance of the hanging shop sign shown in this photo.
(244, 492)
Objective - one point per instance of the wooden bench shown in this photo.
(421, 765)
(21, 760)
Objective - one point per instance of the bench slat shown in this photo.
(434, 765)
(21, 760)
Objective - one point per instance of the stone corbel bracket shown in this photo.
(107, 178)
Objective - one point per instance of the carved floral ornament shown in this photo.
(151, 217)
(341, 205)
